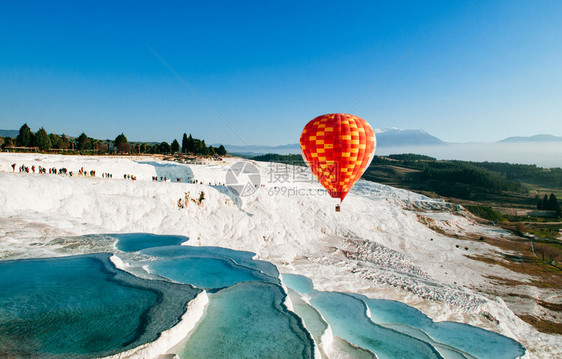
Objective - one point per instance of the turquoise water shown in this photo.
(313, 321)
(347, 317)
(445, 350)
(248, 321)
(240, 258)
(132, 242)
(209, 267)
(81, 306)
(476, 341)
(204, 272)
(317, 326)
(245, 317)
(397, 330)
(299, 283)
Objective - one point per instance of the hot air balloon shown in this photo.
(338, 147)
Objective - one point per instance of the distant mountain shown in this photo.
(535, 138)
(9, 133)
(390, 137)
(387, 137)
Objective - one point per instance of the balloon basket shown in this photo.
(337, 208)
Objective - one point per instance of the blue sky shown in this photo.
(476, 70)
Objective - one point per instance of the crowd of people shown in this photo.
(208, 183)
(91, 173)
(59, 171)
(40, 169)
(178, 179)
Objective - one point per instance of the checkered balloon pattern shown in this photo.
(338, 148)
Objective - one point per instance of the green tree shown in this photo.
(25, 136)
(221, 151)
(184, 141)
(176, 146)
(8, 142)
(211, 151)
(64, 142)
(201, 148)
(164, 147)
(100, 146)
(83, 142)
(55, 140)
(545, 202)
(553, 204)
(190, 147)
(122, 144)
(43, 140)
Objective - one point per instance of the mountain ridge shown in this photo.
(534, 138)
(386, 137)
(9, 133)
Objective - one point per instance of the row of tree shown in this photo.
(459, 172)
(524, 173)
(44, 142)
(549, 204)
(451, 171)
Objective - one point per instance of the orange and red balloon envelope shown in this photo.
(338, 148)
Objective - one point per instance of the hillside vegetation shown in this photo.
(505, 184)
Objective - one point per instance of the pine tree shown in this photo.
(43, 140)
(190, 144)
(55, 140)
(82, 142)
(545, 202)
(64, 142)
(122, 144)
(184, 143)
(164, 147)
(540, 205)
(202, 148)
(33, 141)
(176, 145)
(552, 203)
(221, 151)
(24, 138)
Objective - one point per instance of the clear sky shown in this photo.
(476, 70)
